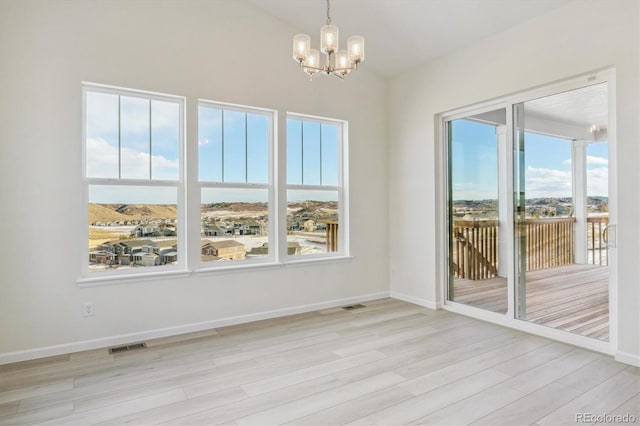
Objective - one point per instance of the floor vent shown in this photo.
(125, 348)
(352, 307)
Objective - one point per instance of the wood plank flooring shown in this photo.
(389, 363)
(572, 298)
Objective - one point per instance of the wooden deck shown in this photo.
(572, 298)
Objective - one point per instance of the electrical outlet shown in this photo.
(88, 309)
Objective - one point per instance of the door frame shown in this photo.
(508, 319)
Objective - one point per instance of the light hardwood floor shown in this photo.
(388, 363)
(572, 298)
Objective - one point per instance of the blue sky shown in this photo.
(149, 146)
(144, 143)
(547, 164)
(314, 162)
(236, 161)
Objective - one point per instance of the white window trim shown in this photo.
(271, 257)
(342, 188)
(276, 188)
(97, 277)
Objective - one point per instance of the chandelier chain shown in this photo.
(328, 13)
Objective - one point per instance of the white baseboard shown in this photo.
(415, 300)
(26, 355)
(627, 358)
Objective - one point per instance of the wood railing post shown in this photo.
(550, 243)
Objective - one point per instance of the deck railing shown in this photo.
(549, 243)
(597, 249)
(475, 249)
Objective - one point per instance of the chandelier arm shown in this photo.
(345, 68)
(314, 68)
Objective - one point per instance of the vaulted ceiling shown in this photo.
(401, 34)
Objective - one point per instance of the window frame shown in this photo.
(272, 208)
(341, 188)
(87, 276)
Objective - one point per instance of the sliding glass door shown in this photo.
(528, 212)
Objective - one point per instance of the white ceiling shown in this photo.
(401, 34)
(582, 107)
(567, 115)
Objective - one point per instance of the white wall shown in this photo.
(583, 36)
(220, 50)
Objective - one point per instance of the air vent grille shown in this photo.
(352, 307)
(126, 348)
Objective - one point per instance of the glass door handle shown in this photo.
(609, 235)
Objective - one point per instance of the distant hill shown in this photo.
(235, 207)
(117, 212)
(126, 212)
(547, 201)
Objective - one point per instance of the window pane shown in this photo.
(209, 144)
(598, 177)
(132, 227)
(597, 202)
(134, 138)
(234, 224)
(234, 139)
(330, 154)
(294, 152)
(102, 135)
(476, 236)
(310, 153)
(165, 140)
(257, 148)
(547, 169)
(312, 222)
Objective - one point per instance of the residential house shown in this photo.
(223, 250)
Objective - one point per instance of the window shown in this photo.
(235, 146)
(316, 219)
(133, 144)
(136, 185)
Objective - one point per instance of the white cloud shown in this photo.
(598, 181)
(102, 161)
(543, 182)
(592, 160)
(473, 191)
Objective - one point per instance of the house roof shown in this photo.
(226, 244)
(135, 243)
(166, 243)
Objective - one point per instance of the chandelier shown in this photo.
(338, 62)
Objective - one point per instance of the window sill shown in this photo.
(129, 278)
(317, 260)
(233, 268)
(151, 276)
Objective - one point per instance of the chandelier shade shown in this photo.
(301, 46)
(355, 47)
(329, 39)
(337, 62)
